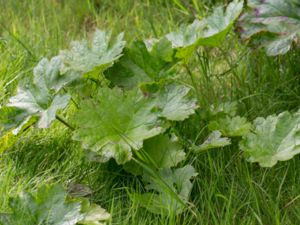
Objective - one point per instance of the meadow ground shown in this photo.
(228, 189)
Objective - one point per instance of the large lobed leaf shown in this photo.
(210, 31)
(173, 102)
(275, 138)
(273, 24)
(141, 64)
(50, 206)
(214, 140)
(223, 118)
(163, 151)
(160, 151)
(115, 122)
(40, 98)
(92, 59)
(171, 195)
(230, 126)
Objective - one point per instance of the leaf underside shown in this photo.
(273, 24)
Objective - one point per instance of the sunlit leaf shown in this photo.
(172, 101)
(36, 101)
(230, 126)
(51, 206)
(93, 214)
(214, 140)
(210, 31)
(113, 123)
(275, 138)
(93, 58)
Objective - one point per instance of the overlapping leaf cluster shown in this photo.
(127, 100)
(51, 205)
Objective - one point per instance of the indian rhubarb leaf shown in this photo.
(272, 24)
(92, 59)
(47, 75)
(172, 101)
(223, 109)
(93, 214)
(140, 64)
(210, 31)
(51, 206)
(40, 98)
(115, 122)
(230, 126)
(39, 102)
(275, 138)
(161, 152)
(48, 206)
(214, 140)
(161, 201)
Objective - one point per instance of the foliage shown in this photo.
(223, 117)
(39, 98)
(173, 102)
(113, 123)
(272, 24)
(214, 140)
(230, 126)
(92, 59)
(159, 152)
(211, 31)
(160, 201)
(141, 64)
(275, 138)
(129, 103)
(50, 205)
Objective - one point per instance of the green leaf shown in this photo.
(275, 138)
(36, 101)
(173, 102)
(230, 126)
(161, 152)
(11, 117)
(92, 59)
(273, 24)
(47, 75)
(214, 140)
(115, 122)
(223, 109)
(40, 98)
(93, 214)
(210, 31)
(140, 64)
(50, 206)
(164, 152)
(179, 180)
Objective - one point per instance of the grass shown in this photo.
(228, 190)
